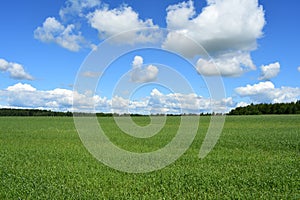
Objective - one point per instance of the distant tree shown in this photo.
(276, 108)
(31, 112)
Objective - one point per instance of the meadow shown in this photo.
(256, 157)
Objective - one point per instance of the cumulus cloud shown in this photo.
(173, 103)
(186, 103)
(266, 92)
(77, 7)
(53, 31)
(19, 87)
(140, 74)
(228, 64)
(15, 70)
(26, 96)
(110, 22)
(255, 89)
(269, 71)
(223, 27)
(299, 68)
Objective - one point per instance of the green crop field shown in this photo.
(256, 157)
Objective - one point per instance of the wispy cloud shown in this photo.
(91, 74)
(77, 7)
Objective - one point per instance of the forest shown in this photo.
(264, 109)
(31, 112)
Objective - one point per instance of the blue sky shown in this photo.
(253, 48)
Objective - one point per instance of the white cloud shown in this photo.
(4, 65)
(223, 27)
(53, 31)
(266, 92)
(15, 70)
(229, 64)
(19, 87)
(140, 74)
(173, 103)
(186, 103)
(137, 62)
(111, 22)
(77, 7)
(255, 89)
(119, 105)
(299, 68)
(242, 104)
(269, 71)
(26, 96)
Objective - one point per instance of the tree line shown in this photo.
(32, 112)
(49, 113)
(264, 109)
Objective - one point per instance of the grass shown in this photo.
(255, 157)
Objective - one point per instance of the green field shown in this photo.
(255, 157)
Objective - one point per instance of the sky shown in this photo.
(148, 56)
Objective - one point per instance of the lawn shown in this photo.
(255, 157)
